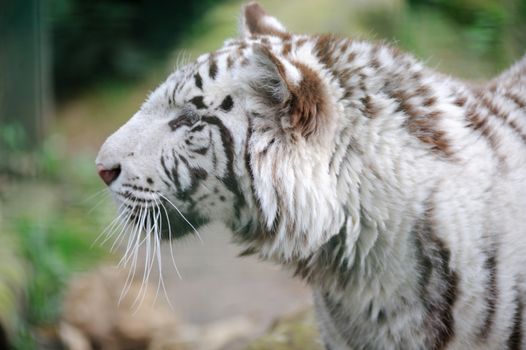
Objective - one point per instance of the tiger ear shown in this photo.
(293, 90)
(254, 20)
(270, 77)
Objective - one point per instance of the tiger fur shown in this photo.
(397, 192)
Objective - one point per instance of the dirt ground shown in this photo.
(217, 286)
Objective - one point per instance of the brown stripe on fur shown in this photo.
(308, 102)
(324, 49)
(417, 76)
(328, 48)
(430, 101)
(265, 42)
(344, 47)
(423, 91)
(423, 123)
(460, 101)
(300, 42)
(488, 104)
(480, 124)
(375, 63)
(516, 99)
(369, 108)
(287, 47)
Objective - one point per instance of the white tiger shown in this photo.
(398, 193)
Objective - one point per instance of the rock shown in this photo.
(93, 315)
(294, 332)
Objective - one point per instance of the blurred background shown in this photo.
(72, 71)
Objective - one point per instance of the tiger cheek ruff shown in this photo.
(396, 192)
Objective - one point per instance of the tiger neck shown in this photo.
(387, 165)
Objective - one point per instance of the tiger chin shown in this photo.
(396, 192)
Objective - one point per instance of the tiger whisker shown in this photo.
(122, 223)
(95, 195)
(146, 239)
(110, 225)
(161, 278)
(105, 194)
(121, 235)
(170, 239)
(184, 218)
(149, 262)
(159, 261)
(157, 233)
(134, 252)
(135, 236)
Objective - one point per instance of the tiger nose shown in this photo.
(108, 175)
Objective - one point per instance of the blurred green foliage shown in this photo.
(467, 38)
(94, 40)
(493, 28)
(52, 249)
(51, 225)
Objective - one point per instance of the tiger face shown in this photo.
(233, 137)
(182, 149)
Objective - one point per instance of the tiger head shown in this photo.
(242, 135)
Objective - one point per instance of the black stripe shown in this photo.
(196, 176)
(139, 188)
(227, 103)
(173, 93)
(175, 175)
(491, 294)
(515, 339)
(179, 121)
(198, 102)
(438, 283)
(331, 258)
(198, 81)
(212, 70)
(228, 179)
(198, 128)
(167, 171)
(201, 150)
(261, 229)
(250, 171)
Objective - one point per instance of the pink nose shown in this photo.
(108, 175)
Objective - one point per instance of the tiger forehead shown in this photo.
(234, 54)
(191, 84)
